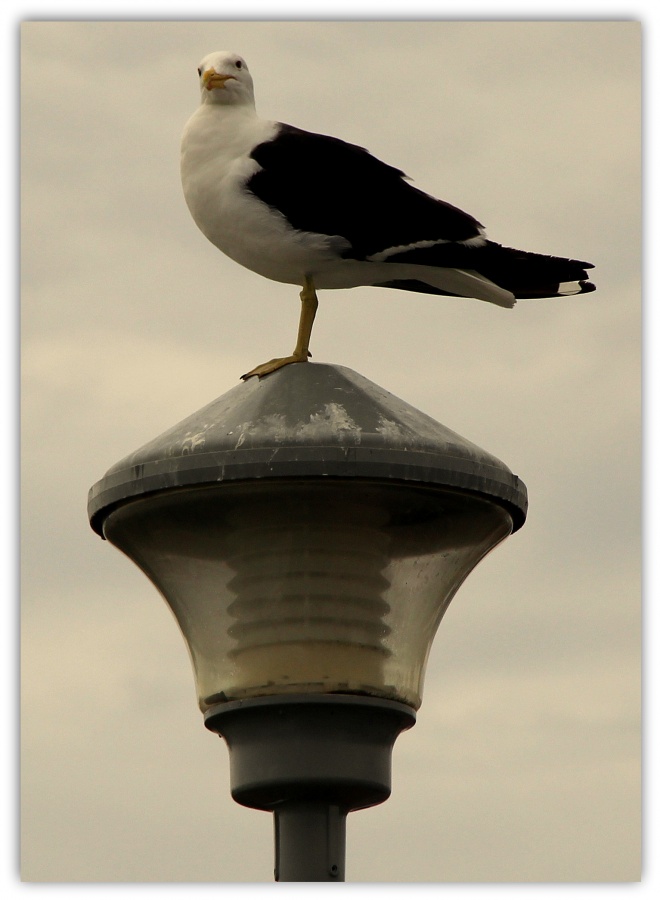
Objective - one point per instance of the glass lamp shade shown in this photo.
(313, 585)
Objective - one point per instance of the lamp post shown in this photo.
(308, 531)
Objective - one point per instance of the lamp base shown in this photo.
(311, 759)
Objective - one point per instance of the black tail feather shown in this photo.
(527, 275)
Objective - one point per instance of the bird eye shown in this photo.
(238, 64)
(199, 72)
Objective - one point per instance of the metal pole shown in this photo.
(310, 759)
(310, 841)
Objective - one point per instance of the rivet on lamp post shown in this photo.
(308, 531)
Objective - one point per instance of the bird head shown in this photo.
(224, 78)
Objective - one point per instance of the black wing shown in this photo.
(326, 186)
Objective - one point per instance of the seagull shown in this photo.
(312, 210)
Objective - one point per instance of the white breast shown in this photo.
(215, 166)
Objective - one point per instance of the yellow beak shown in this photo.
(213, 80)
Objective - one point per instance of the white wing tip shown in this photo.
(569, 288)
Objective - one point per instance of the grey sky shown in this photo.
(524, 763)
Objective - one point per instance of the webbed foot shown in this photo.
(273, 365)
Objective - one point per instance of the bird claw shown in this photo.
(273, 365)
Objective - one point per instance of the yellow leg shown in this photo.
(301, 353)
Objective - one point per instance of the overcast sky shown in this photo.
(524, 764)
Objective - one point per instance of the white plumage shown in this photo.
(311, 210)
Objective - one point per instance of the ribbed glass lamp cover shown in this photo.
(311, 586)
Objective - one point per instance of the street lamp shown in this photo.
(308, 531)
